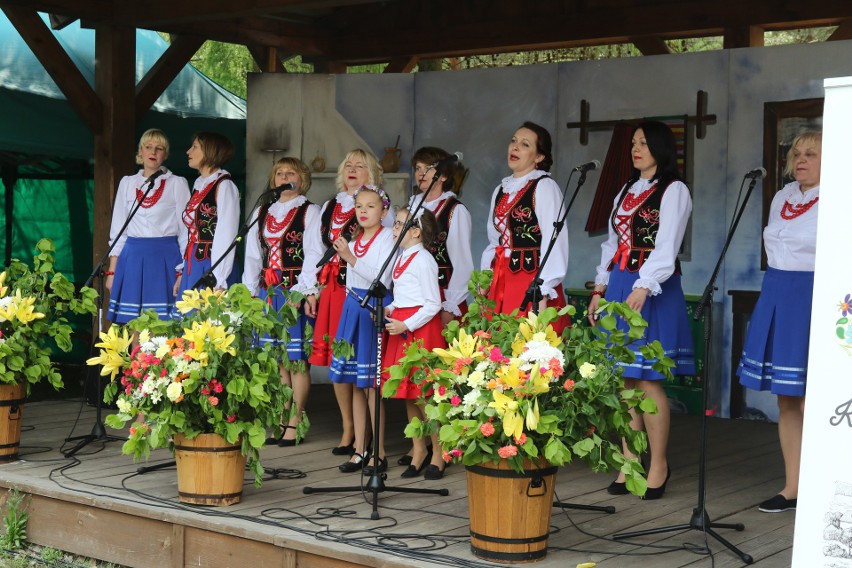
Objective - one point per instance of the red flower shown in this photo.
(507, 451)
(232, 418)
(442, 390)
(132, 430)
(568, 385)
(456, 453)
(218, 388)
(487, 429)
(456, 400)
(213, 400)
(521, 440)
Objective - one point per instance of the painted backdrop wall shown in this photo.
(477, 111)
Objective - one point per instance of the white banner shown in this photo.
(823, 535)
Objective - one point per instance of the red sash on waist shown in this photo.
(622, 254)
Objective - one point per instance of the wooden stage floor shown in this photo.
(98, 506)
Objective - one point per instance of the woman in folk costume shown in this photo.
(328, 282)
(524, 208)
(274, 253)
(144, 263)
(212, 215)
(775, 355)
(639, 266)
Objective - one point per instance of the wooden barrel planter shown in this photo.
(12, 399)
(210, 470)
(510, 511)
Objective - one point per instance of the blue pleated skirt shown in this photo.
(296, 333)
(144, 278)
(775, 354)
(357, 328)
(668, 323)
(194, 269)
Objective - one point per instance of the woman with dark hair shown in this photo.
(639, 266)
(775, 355)
(212, 215)
(523, 210)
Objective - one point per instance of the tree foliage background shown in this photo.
(229, 64)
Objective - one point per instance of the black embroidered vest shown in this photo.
(644, 225)
(438, 248)
(524, 232)
(206, 218)
(347, 229)
(291, 246)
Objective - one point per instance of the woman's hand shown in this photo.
(637, 298)
(311, 306)
(593, 308)
(108, 283)
(341, 245)
(447, 317)
(395, 327)
(176, 289)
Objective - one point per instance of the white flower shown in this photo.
(124, 405)
(174, 391)
(587, 370)
(540, 353)
(475, 380)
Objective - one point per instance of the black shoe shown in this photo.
(352, 466)
(287, 443)
(380, 468)
(433, 472)
(415, 471)
(273, 440)
(404, 460)
(778, 504)
(656, 492)
(343, 450)
(617, 488)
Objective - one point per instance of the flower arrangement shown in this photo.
(204, 372)
(33, 306)
(509, 388)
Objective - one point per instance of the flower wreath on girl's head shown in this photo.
(377, 190)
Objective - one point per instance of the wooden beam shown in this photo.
(267, 59)
(58, 65)
(401, 64)
(843, 31)
(164, 71)
(331, 67)
(114, 146)
(91, 10)
(650, 45)
(743, 36)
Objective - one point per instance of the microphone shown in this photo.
(155, 175)
(756, 173)
(330, 252)
(588, 166)
(275, 192)
(456, 157)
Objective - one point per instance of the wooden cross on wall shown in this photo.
(701, 119)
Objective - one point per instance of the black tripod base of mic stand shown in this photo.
(375, 485)
(98, 435)
(609, 509)
(700, 521)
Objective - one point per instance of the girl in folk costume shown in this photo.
(144, 262)
(364, 256)
(523, 210)
(451, 245)
(337, 219)
(275, 249)
(414, 316)
(639, 266)
(212, 215)
(775, 355)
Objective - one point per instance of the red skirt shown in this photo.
(330, 307)
(429, 336)
(510, 291)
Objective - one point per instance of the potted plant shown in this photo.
(513, 400)
(200, 380)
(34, 303)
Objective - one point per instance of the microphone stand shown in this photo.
(533, 297)
(700, 519)
(208, 280)
(98, 433)
(377, 290)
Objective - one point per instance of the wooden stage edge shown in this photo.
(97, 505)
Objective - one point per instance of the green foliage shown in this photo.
(204, 372)
(33, 305)
(51, 555)
(15, 521)
(510, 388)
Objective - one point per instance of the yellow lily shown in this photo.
(533, 416)
(24, 309)
(3, 288)
(507, 410)
(113, 348)
(463, 347)
(191, 301)
(509, 375)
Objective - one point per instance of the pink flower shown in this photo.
(568, 385)
(521, 440)
(497, 356)
(132, 430)
(213, 400)
(205, 391)
(163, 372)
(487, 429)
(446, 456)
(232, 418)
(507, 451)
(218, 388)
(456, 453)
(456, 400)
(442, 390)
